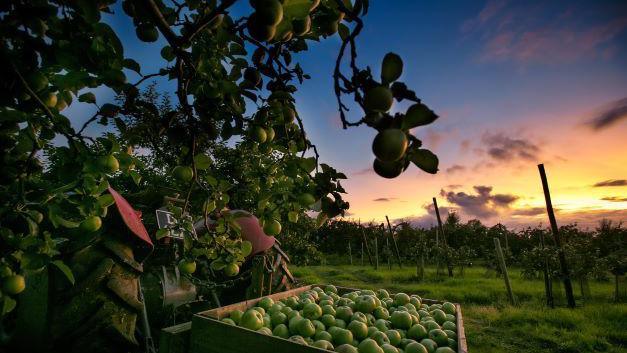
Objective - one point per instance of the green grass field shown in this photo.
(492, 325)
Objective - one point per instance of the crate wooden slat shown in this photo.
(210, 335)
(175, 339)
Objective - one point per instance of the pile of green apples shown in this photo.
(361, 321)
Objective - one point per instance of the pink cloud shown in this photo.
(531, 35)
(489, 11)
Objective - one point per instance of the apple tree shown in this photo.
(235, 80)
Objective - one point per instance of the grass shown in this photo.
(491, 323)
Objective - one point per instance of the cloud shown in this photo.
(545, 34)
(583, 219)
(615, 112)
(365, 171)
(455, 168)
(531, 211)
(433, 138)
(506, 149)
(489, 11)
(611, 182)
(454, 186)
(483, 204)
(615, 199)
(429, 219)
(384, 199)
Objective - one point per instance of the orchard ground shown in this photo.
(492, 325)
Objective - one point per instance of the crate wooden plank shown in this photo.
(175, 339)
(461, 335)
(212, 336)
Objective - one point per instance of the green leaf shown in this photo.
(425, 160)
(418, 115)
(8, 304)
(292, 216)
(162, 232)
(202, 161)
(106, 200)
(321, 219)
(24, 143)
(89, 10)
(136, 177)
(87, 97)
(298, 8)
(65, 270)
(247, 248)
(308, 164)
(218, 265)
(132, 65)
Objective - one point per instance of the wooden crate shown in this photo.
(175, 339)
(210, 335)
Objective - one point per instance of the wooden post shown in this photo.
(350, 253)
(376, 253)
(362, 253)
(547, 281)
(437, 258)
(448, 261)
(420, 261)
(568, 286)
(388, 250)
(398, 254)
(363, 235)
(499, 255)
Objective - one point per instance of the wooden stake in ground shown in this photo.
(501, 258)
(363, 235)
(448, 260)
(350, 253)
(548, 289)
(568, 286)
(437, 258)
(376, 253)
(362, 253)
(388, 252)
(398, 254)
(420, 260)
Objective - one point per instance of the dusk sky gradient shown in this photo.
(515, 84)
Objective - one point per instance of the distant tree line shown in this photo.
(598, 253)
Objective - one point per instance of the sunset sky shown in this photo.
(515, 84)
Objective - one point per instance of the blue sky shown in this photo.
(521, 76)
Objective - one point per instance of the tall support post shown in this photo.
(350, 253)
(568, 286)
(376, 253)
(365, 241)
(547, 281)
(446, 257)
(388, 251)
(398, 254)
(508, 285)
(437, 258)
(420, 260)
(362, 253)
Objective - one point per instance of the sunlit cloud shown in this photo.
(504, 148)
(482, 204)
(455, 168)
(611, 182)
(615, 199)
(611, 115)
(384, 199)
